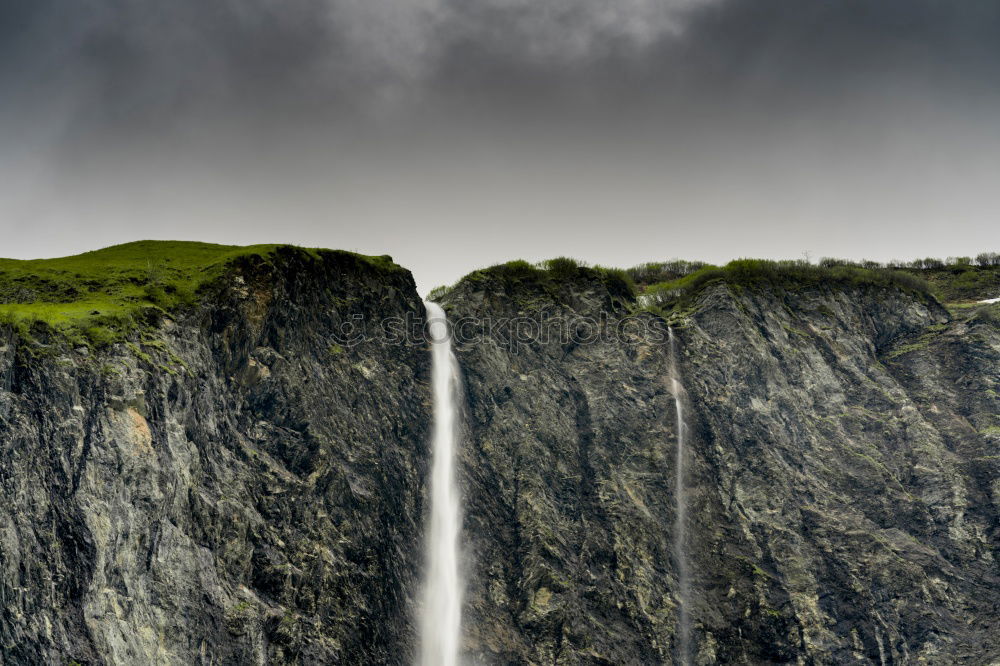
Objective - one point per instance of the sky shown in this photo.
(455, 134)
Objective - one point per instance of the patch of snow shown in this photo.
(991, 300)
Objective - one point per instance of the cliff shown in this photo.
(841, 474)
(230, 485)
(225, 473)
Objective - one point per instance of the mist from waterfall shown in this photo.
(683, 645)
(441, 622)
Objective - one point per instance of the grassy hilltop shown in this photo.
(96, 297)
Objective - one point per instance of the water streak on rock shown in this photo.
(683, 645)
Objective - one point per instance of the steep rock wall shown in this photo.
(843, 497)
(236, 487)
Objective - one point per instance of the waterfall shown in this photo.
(680, 499)
(441, 620)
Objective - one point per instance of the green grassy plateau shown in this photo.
(98, 297)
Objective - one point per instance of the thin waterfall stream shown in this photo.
(680, 526)
(441, 623)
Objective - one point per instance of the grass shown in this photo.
(922, 343)
(785, 274)
(439, 292)
(954, 279)
(962, 283)
(989, 314)
(98, 297)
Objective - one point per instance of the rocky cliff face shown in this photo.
(236, 488)
(862, 511)
(240, 485)
(842, 479)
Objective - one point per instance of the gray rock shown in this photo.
(211, 502)
(249, 487)
(842, 481)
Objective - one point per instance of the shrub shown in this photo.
(830, 262)
(156, 294)
(618, 281)
(437, 293)
(562, 268)
(519, 269)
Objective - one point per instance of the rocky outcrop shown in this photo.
(842, 479)
(237, 487)
(820, 470)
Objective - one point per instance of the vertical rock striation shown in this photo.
(569, 478)
(239, 487)
(842, 482)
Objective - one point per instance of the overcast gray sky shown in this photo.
(453, 134)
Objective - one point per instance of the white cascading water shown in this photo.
(442, 608)
(680, 526)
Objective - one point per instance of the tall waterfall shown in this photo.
(441, 621)
(683, 655)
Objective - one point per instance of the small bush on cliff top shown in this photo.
(437, 293)
(561, 268)
(99, 297)
(619, 281)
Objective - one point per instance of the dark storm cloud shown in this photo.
(148, 58)
(772, 50)
(836, 45)
(154, 61)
